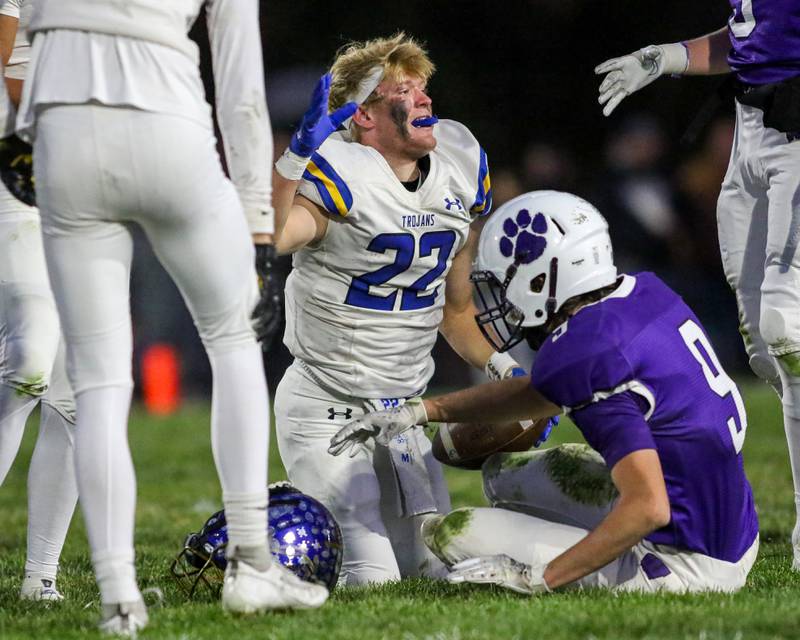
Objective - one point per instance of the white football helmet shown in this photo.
(536, 252)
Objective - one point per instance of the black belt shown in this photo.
(780, 102)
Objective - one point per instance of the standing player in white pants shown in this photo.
(123, 134)
(30, 349)
(758, 212)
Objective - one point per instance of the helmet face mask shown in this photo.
(536, 252)
(303, 536)
(504, 319)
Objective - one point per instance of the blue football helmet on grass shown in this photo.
(303, 536)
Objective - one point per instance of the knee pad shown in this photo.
(440, 532)
(231, 328)
(763, 365)
(27, 368)
(27, 362)
(101, 362)
(29, 338)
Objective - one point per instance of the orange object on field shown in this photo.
(161, 384)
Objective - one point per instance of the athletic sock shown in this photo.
(52, 492)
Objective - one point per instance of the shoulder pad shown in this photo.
(325, 180)
(455, 140)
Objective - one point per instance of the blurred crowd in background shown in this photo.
(520, 76)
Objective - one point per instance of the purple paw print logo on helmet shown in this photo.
(522, 237)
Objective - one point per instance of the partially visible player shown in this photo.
(630, 363)
(758, 212)
(31, 355)
(122, 134)
(381, 218)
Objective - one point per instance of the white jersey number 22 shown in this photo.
(719, 381)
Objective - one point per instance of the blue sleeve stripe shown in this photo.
(483, 198)
(332, 189)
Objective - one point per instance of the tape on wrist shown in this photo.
(418, 408)
(674, 57)
(498, 365)
(290, 165)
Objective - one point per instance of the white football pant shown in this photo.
(566, 484)
(758, 216)
(32, 370)
(98, 169)
(361, 492)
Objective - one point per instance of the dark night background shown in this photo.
(520, 75)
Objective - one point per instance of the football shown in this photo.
(466, 445)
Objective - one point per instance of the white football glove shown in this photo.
(638, 69)
(381, 425)
(501, 570)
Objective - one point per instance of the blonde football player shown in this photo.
(29, 352)
(123, 134)
(380, 217)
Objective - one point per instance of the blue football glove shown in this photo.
(317, 125)
(552, 422)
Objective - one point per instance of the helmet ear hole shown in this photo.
(537, 283)
(539, 313)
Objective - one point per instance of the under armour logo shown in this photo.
(332, 413)
(455, 202)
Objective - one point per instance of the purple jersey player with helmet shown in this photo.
(758, 211)
(666, 504)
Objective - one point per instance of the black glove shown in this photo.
(268, 313)
(16, 169)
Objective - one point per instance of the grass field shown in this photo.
(178, 490)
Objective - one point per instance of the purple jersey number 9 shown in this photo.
(742, 22)
(719, 381)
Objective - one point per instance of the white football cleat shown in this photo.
(796, 547)
(39, 589)
(246, 590)
(124, 618)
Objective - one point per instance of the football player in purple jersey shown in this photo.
(758, 211)
(666, 504)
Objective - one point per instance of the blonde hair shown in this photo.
(399, 55)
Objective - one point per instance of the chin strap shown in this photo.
(550, 305)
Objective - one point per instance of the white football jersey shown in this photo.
(363, 307)
(21, 54)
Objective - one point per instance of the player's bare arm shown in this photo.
(8, 34)
(298, 221)
(458, 325)
(642, 507)
(708, 54)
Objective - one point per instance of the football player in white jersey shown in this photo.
(29, 350)
(380, 218)
(122, 134)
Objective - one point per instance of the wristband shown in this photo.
(674, 58)
(417, 407)
(291, 166)
(499, 366)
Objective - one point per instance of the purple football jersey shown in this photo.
(765, 40)
(636, 371)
